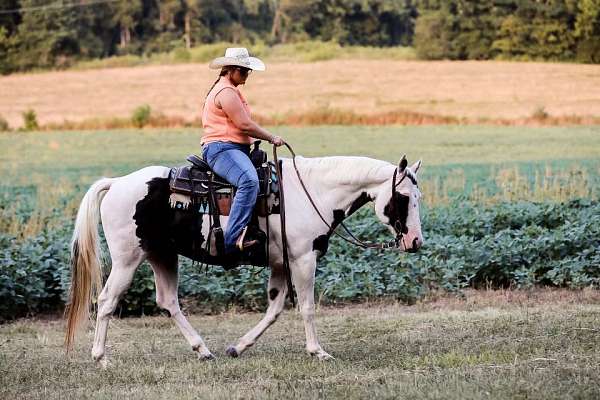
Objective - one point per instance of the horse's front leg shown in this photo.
(276, 294)
(303, 276)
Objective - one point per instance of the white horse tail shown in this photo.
(86, 268)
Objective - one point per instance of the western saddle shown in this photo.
(196, 188)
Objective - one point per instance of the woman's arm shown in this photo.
(231, 104)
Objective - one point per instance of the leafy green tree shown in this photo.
(539, 30)
(376, 22)
(96, 31)
(432, 31)
(5, 64)
(483, 29)
(352, 22)
(217, 16)
(514, 38)
(587, 31)
(164, 31)
(258, 18)
(9, 21)
(473, 29)
(290, 19)
(552, 40)
(46, 38)
(126, 16)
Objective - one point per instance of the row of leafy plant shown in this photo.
(509, 244)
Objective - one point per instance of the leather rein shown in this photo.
(392, 244)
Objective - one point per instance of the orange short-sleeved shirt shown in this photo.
(217, 125)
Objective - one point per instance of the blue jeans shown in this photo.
(231, 161)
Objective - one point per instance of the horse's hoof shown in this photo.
(323, 356)
(232, 352)
(102, 362)
(206, 356)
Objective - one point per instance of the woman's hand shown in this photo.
(277, 141)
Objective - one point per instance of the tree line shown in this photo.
(54, 34)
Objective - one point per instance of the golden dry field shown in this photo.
(470, 89)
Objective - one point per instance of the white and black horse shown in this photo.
(338, 185)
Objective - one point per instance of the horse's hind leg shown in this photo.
(276, 294)
(121, 275)
(166, 278)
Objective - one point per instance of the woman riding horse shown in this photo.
(139, 223)
(228, 133)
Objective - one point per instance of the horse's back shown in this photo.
(118, 206)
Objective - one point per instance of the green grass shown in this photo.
(476, 348)
(448, 146)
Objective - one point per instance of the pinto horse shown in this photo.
(338, 186)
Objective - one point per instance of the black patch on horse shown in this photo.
(412, 178)
(154, 219)
(338, 218)
(397, 211)
(363, 199)
(321, 243)
(273, 293)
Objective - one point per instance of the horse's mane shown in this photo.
(345, 170)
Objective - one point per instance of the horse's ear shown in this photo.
(415, 167)
(403, 163)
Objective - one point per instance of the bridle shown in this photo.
(398, 226)
(400, 230)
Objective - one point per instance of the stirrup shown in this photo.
(241, 244)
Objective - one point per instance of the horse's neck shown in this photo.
(344, 182)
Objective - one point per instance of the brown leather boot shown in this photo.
(244, 244)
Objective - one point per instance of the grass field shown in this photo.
(488, 345)
(121, 151)
(472, 89)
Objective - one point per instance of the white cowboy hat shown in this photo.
(237, 56)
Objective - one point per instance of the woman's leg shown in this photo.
(231, 162)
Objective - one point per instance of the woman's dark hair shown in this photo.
(223, 72)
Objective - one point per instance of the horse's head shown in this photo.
(397, 206)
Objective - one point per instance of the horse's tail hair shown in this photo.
(86, 268)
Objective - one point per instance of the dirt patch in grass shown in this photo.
(495, 92)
